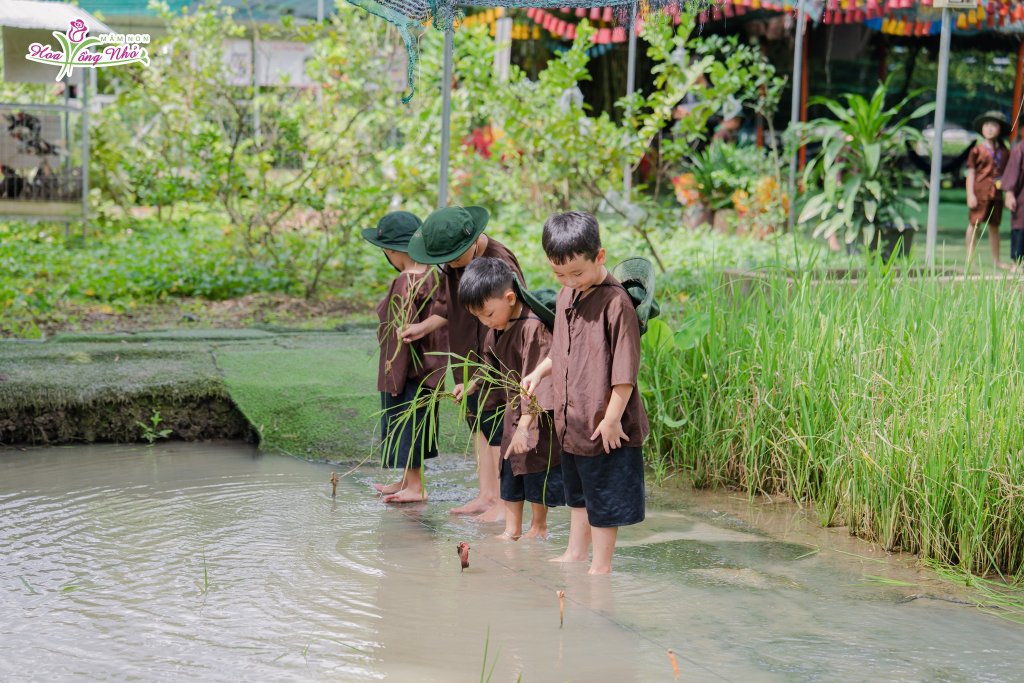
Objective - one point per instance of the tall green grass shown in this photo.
(892, 405)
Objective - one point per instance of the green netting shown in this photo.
(409, 15)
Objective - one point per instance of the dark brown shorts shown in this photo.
(988, 213)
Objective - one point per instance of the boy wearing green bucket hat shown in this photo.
(985, 165)
(405, 370)
(452, 238)
(520, 337)
(594, 362)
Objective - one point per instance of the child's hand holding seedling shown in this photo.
(532, 381)
(461, 391)
(521, 437)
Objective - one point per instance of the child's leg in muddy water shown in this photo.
(604, 549)
(489, 468)
(539, 522)
(513, 520)
(488, 495)
(579, 537)
(412, 488)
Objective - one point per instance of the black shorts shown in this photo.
(610, 485)
(406, 439)
(489, 422)
(542, 488)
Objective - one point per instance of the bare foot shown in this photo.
(406, 496)
(496, 513)
(473, 507)
(594, 571)
(507, 536)
(567, 557)
(1003, 266)
(388, 489)
(536, 532)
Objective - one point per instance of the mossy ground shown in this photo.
(307, 393)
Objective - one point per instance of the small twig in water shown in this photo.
(675, 665)
(463, 550)
(561, 608)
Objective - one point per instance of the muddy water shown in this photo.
(214, 563)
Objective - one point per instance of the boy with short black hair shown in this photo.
(405, 370)
(452, 238)
(599, 417)
(519, 339)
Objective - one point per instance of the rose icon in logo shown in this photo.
(77, 31)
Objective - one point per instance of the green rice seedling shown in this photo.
(887, 403)
(487, 674)
(402, 312)
(1002, 597)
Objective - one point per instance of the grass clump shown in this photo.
(890, 404)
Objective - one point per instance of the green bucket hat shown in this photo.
(540, 301)
(637, 276)
(393, 231)
(447, 234)
(995, 116)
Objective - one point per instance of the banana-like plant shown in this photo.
(856, 184)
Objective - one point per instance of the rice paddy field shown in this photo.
(889, 404)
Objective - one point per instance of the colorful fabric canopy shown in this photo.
(559, 17)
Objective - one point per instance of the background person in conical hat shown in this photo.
(452, 238)
(985, 165)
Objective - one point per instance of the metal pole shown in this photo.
(319, 28)
(66, 180)
(446, 117)
(627, 170)
(794, 112)
(934, 186)
(85, 157)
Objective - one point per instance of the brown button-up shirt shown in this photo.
(595, 346)
(409, 301)
(988, 164)
(466, 334)
(518, 349)
(1013, 183)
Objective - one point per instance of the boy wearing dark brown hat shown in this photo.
(452, 238)
(406, 370)
(985, 165)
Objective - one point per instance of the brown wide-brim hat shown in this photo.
(995, 116)
(447, 234)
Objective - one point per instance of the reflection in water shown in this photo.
(214, 563)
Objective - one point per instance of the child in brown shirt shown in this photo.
(405, 371)
(452, 238)
(1013, 187)
(985, 165)
(519, 339)
(599, 417)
